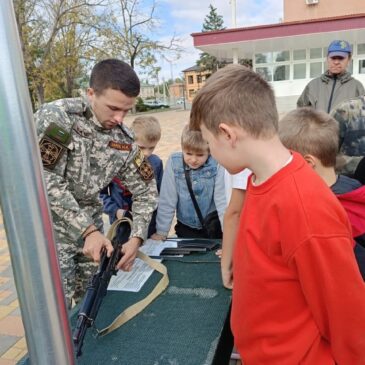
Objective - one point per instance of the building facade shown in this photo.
(176, 90)
(298, 10)
(291, 53)
(147, 91)
(194, 80)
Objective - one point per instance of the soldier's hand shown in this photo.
(94, 244)
(129, 251)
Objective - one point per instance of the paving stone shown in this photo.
(7, 271)
(12, 353)
(16, 312)
(6, 342)
(8, 362)
(12, 326)
(6, 284)
(4, 294)
(9, 299)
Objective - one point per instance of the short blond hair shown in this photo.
(147, 128)
(236, 95)
(192, 140)
(311, 132)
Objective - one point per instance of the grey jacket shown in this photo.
(317, 94)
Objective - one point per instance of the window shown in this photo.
(299, 71)
(299, 54)
(263, 57)
(281, 56)
(190, 79)
(265, 73)
(315, 69)
(273, 66)
(191, 92)
(199, 79)
(281, 72)
(361, 48)
(315, 53)
(361, 66)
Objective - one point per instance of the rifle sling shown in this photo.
(138, 307)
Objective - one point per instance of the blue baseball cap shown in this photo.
(339, 48)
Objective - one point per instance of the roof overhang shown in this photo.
(281, 36)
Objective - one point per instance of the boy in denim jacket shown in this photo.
(117, 199)
(207, 179)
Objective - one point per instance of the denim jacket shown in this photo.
(208, 186)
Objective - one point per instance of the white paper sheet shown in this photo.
(133, 281)
(154, 248)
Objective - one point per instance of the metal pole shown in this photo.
(24, 204)
(233, 9)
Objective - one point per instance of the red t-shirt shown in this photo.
(298, 296)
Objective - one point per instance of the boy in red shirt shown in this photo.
(298, 296)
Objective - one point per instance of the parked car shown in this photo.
(155, 104)
(180, 101)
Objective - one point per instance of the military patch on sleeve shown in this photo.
(53, 145)
(143, 166)
(120, 146)
(51, 152)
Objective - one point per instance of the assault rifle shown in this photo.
(97, 286)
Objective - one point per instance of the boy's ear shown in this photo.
(310, 159)
(90, 91)
(228, 132)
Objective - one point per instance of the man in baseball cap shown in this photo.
(336, 84)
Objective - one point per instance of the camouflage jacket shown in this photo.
(351, 118)
(317, 94)
(92, 158)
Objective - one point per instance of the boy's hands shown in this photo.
(227, 278)
(120, 213)
(158, 237)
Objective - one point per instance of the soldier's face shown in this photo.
(110, 107)
(337, 65)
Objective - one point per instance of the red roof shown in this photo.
(355, 21)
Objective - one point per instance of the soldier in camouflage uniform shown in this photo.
(351, 118)
(83, 146)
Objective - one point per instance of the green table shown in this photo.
(182, 326)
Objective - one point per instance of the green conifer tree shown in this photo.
(213, 21)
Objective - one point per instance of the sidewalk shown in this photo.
(12, 341)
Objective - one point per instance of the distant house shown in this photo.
(194, 79)
(291, 53)
(176, 90)
(147, 91)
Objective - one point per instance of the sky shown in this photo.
(183, 17)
